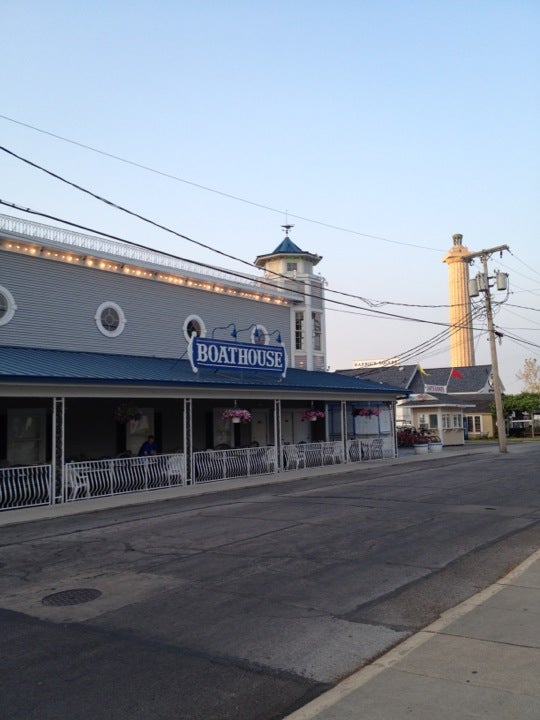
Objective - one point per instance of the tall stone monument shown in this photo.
(461, 331)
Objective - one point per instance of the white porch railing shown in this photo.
(96, 478)
(375, 448)
(33, 485)
(211, 465)
(306, 455)
(25, 486)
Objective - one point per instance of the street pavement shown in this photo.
(406, 456)
(478, 660)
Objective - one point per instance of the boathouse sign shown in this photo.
(222, 354)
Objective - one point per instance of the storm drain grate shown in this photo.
(71, 597)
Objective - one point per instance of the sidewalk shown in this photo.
(481, 659)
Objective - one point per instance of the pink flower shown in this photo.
(312, 414)
(243, 415)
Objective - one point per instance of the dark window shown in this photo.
(299, 331)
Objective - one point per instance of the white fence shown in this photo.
(25, 486)
(33, 485)
(96, 478)
(211, 465)
(307, 455)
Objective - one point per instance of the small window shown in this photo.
(110, 319)
(259, 336)
(299, 331)
(291, 267)
(7, 306)
(194, 326)
(317, 334)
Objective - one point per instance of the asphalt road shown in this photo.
(246, 604)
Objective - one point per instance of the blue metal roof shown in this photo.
(31, 365)
(287, 246)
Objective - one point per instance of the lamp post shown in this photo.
(481, 284)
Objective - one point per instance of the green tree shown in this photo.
(524, 402)
(530, 375)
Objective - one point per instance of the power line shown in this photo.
(438, 339)
(212, 267)
(206, 188)
(406, 355)
(149, 221)
(521, 341)
(185, 237)
(424, 347)
(524, 263)
(166, 229)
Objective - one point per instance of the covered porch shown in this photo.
(68, 441)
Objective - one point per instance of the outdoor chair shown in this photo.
(366, 450)
(292, 457)
(376, 449)
(76, 483)
(355, 451)
(337, 452)
(332, 453)
(175, 470)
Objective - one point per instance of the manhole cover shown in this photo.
(71, 597)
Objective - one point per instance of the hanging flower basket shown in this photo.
(237, 416)
(312, 415)
(366, 412)
(124, 413)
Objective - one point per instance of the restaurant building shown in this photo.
(105, 342)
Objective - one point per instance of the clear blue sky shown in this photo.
(408, 121)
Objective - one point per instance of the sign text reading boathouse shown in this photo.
(210, 353)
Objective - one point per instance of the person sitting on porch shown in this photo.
(148, 447)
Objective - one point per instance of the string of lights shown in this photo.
(301, 293)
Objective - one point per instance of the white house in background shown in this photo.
(456, 403)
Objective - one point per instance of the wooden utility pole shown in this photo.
(484, 255)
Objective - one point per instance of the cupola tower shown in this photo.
(291, 268)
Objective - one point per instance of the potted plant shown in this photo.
(366, 412)
(125, 412)
(421, 445)
(312, 415)
(237, 415)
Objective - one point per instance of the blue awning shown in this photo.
(33, 365)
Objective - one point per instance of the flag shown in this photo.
(422, 371)
(456, 374)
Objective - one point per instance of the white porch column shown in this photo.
(343, 413)
(58, 452)
(188, 439)
(277, 435)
